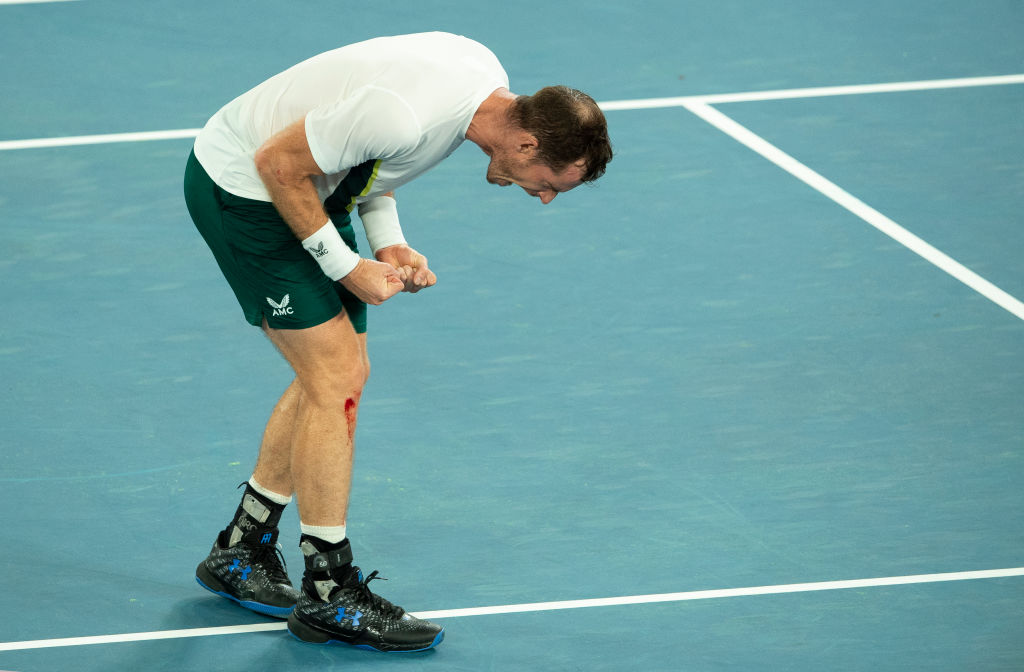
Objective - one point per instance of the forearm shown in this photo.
(301, 209)
(296, 199)
(286, 167)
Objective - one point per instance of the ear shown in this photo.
(526, 143)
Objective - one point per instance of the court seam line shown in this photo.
(636, 104)
(845, 199)
(720, 593)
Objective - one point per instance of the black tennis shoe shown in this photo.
(341, 609)
(251, 572)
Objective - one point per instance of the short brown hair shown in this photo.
(568, 125)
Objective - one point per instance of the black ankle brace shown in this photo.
(326, 569)
(323, 556)
(255, 519)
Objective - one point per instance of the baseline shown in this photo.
(635, 104)
(814, 92)
(544, 606)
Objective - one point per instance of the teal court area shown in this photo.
(753, 401)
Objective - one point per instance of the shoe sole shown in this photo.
(310, 634)
(214, 586)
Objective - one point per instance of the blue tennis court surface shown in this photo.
(699, 416)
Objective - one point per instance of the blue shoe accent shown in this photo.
(351, 614)
(250, 575)
(308, 634)
(258, 607)
(366, 647)
(343, 615)
(437, 640)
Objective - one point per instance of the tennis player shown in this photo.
(271, 184)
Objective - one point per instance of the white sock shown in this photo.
(269, 494)
(330, 534)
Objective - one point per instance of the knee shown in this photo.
(335, 389)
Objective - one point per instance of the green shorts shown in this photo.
(273, 277)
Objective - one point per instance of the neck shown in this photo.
(490, 122)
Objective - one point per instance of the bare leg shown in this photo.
(331, 368)
(314, 422)
(273, 468)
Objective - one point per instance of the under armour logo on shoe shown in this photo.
(343, 615)
(237, 564)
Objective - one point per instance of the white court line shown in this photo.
(815, 92)
(29, 2)
(857, 207)
(542, 606)
(69, 141)
(637, 104)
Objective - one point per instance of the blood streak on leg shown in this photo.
(350, 416)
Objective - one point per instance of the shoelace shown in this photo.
(376, 600)
(272, 558)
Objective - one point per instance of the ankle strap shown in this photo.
(325, 561)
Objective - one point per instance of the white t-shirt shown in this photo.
(405, 100)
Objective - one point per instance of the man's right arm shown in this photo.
(286, 166)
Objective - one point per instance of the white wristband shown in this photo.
(335, 257)
(380, 221)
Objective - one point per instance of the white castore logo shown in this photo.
(281, 308)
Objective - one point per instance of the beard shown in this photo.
(504, 168)
(496, 168)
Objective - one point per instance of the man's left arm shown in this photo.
(379, 216)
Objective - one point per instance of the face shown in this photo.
(534, 177)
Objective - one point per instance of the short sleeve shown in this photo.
(371, 123)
